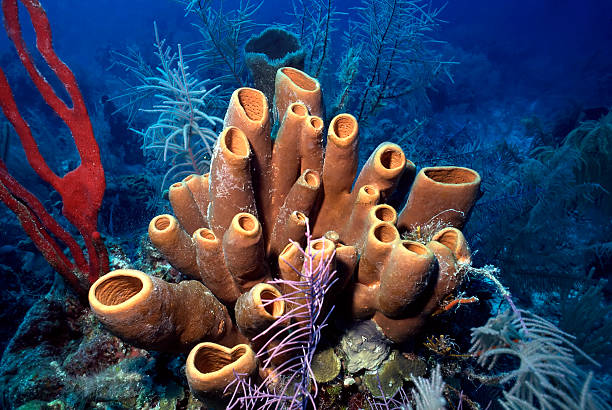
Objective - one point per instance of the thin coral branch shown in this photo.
(224, 33)
(293, 337)
(547, 375)
(397, 57)
(186, 127)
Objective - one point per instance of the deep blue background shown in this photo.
(518, 58)
(541, 47)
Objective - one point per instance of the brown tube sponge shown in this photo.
(211, 265)
(403, 186)
(311, 145)
(185, 207)
(231, 188)
(210, 368)
(354, 231)
(379, 243)
(321, 250)
(263, 190)
(451, 251)
(382, 213)
(341, 155)
(295, 228)
(292, 85)
(347, 258)
(199, 185)
(321, 257)
(248, 111)
(244, 251)
(286, 153)
(400, 330)
(405, 277)
(383, 169)
(363, 300)
(301, 198)
(303, 193)
(153, 314)
(440, 196)
(290, 262)
(365, 214)
(258, 308)
(339, 171)
(175, 244)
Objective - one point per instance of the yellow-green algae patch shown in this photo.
(325, 365)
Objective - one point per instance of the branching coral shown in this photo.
(185, 127)
(593, 140)
(82, 188)
(233, 227)
(569, 178)
(224, 32)
(292, 339)
(395, 59)
(547, 376)
(314, 23)
(388, 54)
(586, 314)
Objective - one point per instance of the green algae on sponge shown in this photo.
(390, 377)
(325, 365)
(411, 366)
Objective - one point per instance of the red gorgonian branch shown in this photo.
(82, 188)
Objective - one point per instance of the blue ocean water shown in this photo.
(519, 93)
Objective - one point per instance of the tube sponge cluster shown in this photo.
(232, 231)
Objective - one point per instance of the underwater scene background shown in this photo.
(465, 264)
